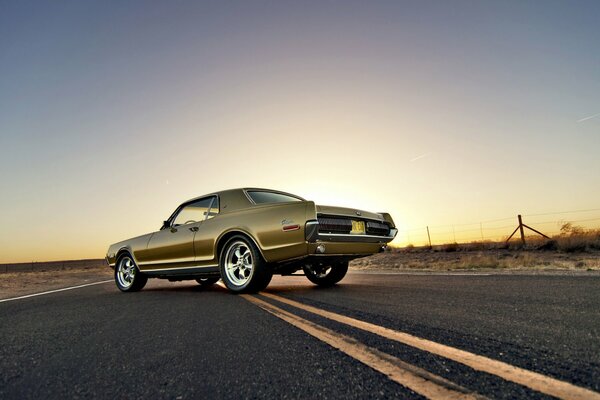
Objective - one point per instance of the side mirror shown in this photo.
(165, 225)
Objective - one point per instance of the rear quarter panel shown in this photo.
(264, 223)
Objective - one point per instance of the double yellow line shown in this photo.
(410, 376)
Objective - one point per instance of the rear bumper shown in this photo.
(313, 235)
(332, 237)
(331, 244)
(352, 249)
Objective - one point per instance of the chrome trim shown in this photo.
(346, 237)
(310, 232)
(178, 268)
(248, 197)
(349, 235)
(362, 217)
(169, 261)
(212, 201)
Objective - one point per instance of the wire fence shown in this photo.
(498, 230)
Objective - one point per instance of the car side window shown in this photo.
(262, 197)
(193, 212)
(214, 208)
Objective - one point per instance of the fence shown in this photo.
(498, 230)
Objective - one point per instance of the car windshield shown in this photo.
(262, 197)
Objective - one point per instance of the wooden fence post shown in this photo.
(521, 229)
(429, 237)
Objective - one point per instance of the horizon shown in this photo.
(444, 115)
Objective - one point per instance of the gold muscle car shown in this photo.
(244, 236)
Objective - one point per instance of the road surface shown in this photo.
(373, 336)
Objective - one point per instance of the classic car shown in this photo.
(244, 236)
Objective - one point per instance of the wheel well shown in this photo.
(121, 252)
(231, 234)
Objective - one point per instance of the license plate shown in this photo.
(358, 227)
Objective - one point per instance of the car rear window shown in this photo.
(261, 197)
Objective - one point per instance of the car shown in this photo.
(245, 236)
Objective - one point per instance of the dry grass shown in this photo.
(504, 259)
(572, 239)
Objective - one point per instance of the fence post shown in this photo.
(521, 229)
(429, 237)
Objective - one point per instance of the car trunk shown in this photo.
(348, 212)
(341, 220)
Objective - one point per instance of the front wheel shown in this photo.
(326, 275)
(127, 275)
(242, 266)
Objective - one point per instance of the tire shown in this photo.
(128, 276)
(242, 267)
(207, 281)
(326, 275)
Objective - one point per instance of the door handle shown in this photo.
(194, 229)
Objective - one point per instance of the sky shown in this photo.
(440, 112)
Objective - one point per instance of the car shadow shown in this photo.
(274, 288)
(184, 287)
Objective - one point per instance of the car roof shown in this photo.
(236, 198)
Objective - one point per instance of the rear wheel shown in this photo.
(326, 275)
(127, 275)
(242, 266)
(207, 281)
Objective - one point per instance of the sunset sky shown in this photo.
(441, 113)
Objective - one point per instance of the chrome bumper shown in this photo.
(312, 235)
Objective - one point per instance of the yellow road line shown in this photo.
(530, 379)
(410, 376)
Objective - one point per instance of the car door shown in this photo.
(173, 246)
(204, 241)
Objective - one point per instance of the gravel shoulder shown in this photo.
(22, 283)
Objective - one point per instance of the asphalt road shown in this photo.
(179, 340)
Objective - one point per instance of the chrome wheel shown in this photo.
(326, 275)
(239, 263)
(242, 268)
(320, 271)
(126, 271)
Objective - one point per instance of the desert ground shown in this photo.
(15, 284)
